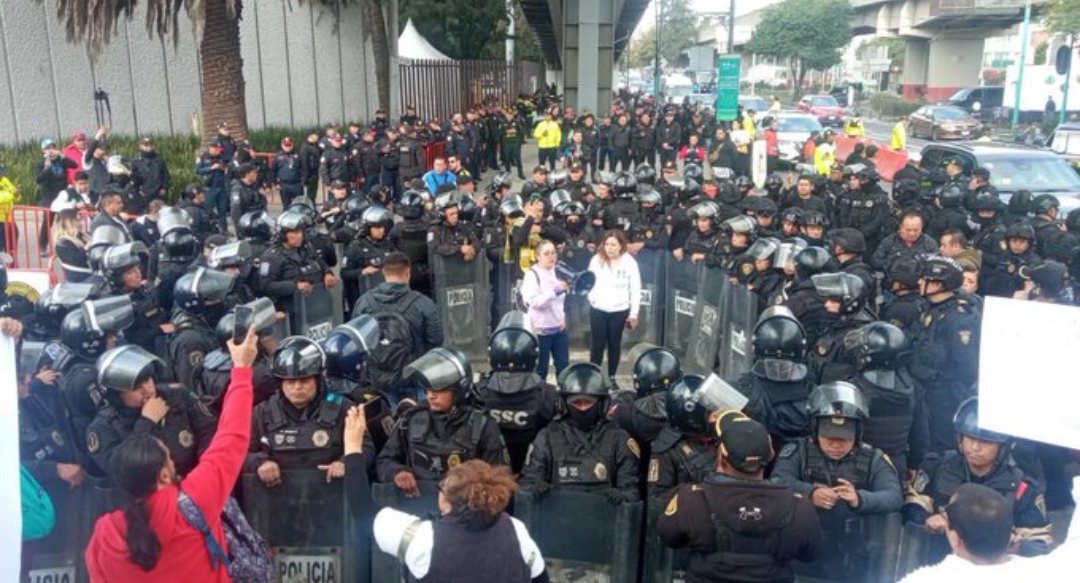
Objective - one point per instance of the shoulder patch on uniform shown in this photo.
(633, 447)
(92, 442)
(885, 457)
(673, 506)
(186, 438)
(654, 471)
(788, 450)
(195, 357)
(264, 269)
(965, 337)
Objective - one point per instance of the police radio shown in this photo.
(581, 282)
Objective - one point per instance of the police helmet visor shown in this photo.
(292, 220)
(263, 315)
(377, 215)
(786, 252)
(208, 284)
(511, 208)
(109, 315)
(66, 294)
(836, 285)
(649, 197)
(121, 368)
(440, 369)
(106, 235)
(235, 254)
(837, 399)
(172, 218)
(121, 257)
(763, 248)
(30, 354)
(558, 177)
(718, 395)
(558, 197)
(706, 209)
(298, 357)
(741, 224)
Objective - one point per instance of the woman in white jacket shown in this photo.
(615, 299)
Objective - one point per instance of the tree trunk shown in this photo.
(375, 24)
(222, 73)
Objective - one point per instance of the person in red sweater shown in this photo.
(693, 152)
(149, 540)
(74, 152)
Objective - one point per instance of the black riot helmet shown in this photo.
(583, 378)
(101, 239)
(950, 195)
(57, 302)
(706, 209)
(197, 290)
(877, 346)
(695, 172)
(812, 261)
(943, 269)
(375, 216)
(124, 368)
(645, 174)
(773, 184)
(180, 245)
(559, 178)
(689, 189)
(354, 207)
(84, 330)
(298, 357)
(235, 255)
(986, 200)
(1020, 231)
(849, 240)
(1044, 204)
(513, 347)
(558, 197)
(304, 206)
(565, 210)
(742, 225)
(906, 271)
(966, 423)
(655, 369)
(743, 183)
(411, 205)
(837, 410)
(779, 335)
(728, 193)
(686, 411)
(257, 225)
(263, 319)
(294, 220)
(501, 180)
(441, 369)
(849, 289)
(347, 347)
(906, 191)
(625, 185)
(171, 219)
(120, 258)
(511, 207)
(1020, 203)
(649, 196)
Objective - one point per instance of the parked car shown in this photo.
(756, 103)
(1065, 142)
(840, 93)
(1012, 167)
(943, 122)
(792, 131)
(980, 101)
(825, 108)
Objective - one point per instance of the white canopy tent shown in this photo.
(411, 45)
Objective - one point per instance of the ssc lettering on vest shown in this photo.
(56, 575)
(506, 417)
(307, 568)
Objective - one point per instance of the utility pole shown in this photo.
(1063, 109)
(656, 60)
(1020, 69)
(731, 29)
(510, 31)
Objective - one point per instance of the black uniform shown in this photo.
(905, 311)
(740, 530)
(897, 422)
(297, 439)
(149, 316)
(828, 358)
(867, 210)
(945, 364)
(189, 345)
(282, 268)
(150, 176)
(447, 241)
(522, 404)
(779, 405)
(893, 248)
(290, 176)
(410, 237)
(186, 430)
(46, 436)
(601, 460)
(427, 443)
(243, 199)
(644, 419)
(213, 374)
(676, 459)
(335, 165)
(362, 253)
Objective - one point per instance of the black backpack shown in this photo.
(382, 371)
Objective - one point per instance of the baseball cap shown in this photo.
(78, 135)
(540, 168)
(147, 140)
(836, 428)
(47, 143)
(216, 144)
(744, 442)
(337, 184)
(222, 125)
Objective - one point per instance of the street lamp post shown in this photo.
(1020, 69)
(656, 60)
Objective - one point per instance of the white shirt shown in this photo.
(956, 570)
(618, 285)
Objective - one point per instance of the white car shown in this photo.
(792, 131)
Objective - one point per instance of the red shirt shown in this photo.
(772, 143)
(184, 558)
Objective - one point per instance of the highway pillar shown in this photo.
(954, 63)
(588, 57)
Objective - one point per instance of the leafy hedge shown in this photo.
(180, 153)
(886, 105)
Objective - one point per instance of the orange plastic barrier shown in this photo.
(22, 237)
(887, 161)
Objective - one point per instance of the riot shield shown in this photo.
(705, 334)
(306, 522)
(739, 313)
(605, 552)
(660, 563)
(578, 325)
(650, 326)
(919, 547)
(387, 568)
(461, 292)
(315, 312)
(508, 280)
(858, 549)
(680, 305)
(59, 556)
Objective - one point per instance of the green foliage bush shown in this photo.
(886, 105)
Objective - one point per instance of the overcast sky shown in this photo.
(703, 6)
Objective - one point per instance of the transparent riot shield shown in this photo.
(739, 313)
(680, 305)
(576, 257)
(59, 556)
(918, 548)
(508, 280)
(705, 334)
(660, 563)
(650, 326)
(315, 312)
(606, 551)
(387, 568)
(306, 522)
(857, 548)
(461, 292)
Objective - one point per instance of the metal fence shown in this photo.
(442, 88)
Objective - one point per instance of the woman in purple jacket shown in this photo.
(544, 296)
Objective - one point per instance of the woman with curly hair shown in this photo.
(472, 501)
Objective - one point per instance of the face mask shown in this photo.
(584, 419)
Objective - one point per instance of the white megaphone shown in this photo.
(581, 282)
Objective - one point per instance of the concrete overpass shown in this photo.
(944, 37)
(582, 41)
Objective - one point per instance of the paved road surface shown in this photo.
(882, 132)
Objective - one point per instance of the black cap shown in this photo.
(838, 428)
(465, 179)
(338, 184)
(540, 168)
(745, 443)
(983, 173)
(222, 125)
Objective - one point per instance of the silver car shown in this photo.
(792, 131)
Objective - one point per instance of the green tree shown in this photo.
(678, 30)
(1063, 16)
(461, 29)
(217, 36)
(806, 32)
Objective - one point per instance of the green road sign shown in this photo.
(727, 88)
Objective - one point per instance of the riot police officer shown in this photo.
(51, 308)
(984, 457)
(648, 229)
(302, 425)
(865, 207)
(582, 450)
(802, 297)
(845, 310)
(620, 213)
(904, 306)
(235, 259)
(213, 374)
(48, 447)
(849, 247)
(450, 237)
(291, 265)
(173, 255)
(778, 383)
(988, 213)
(436, 435)
(245, 196)
(642, 412)
(896, 420)
(948, 213)
(1052, 241)
(193, 203)
(704, 239)
(845, 478)
(136, 405)
(361, 269)
(512, 394)
(685, 451)
(945, 354)
(122, 267)
(257, 229)
(200, 301)
(763, 276)
(320, 243)
(410, 237)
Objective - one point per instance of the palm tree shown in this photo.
(217, 36)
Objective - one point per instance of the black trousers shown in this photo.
(607, 332)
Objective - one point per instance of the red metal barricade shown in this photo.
(432, 151)
(27, 237)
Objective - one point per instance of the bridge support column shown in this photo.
(916, 60)
(589, 54)
(954, 63)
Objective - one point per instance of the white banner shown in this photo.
(10, 510)
(759, 163)
(1026, 387)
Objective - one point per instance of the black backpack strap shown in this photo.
(406, 301)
